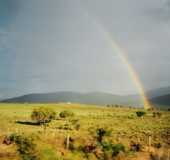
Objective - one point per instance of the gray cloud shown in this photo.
(57, 45)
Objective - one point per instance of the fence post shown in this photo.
(67, 141)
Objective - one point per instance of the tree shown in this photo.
(43, 115)
(66, 113)
(140, 113)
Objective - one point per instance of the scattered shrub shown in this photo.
(100, 133)
(66, 126)
(157, 114)
(75, 123)
(7, 140)
(157, 145)
(89, 148)
(117, 148)
(25, 146)
(65, 114)
(107, 146)
(140, 113)
(43, 115)
(136, 147)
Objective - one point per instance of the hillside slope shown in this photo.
(96, 98)
(161, 100)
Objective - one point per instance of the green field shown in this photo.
(152, 134)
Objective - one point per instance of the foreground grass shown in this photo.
(125, 127)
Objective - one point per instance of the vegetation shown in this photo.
(140, 113)
(88, 133)
(43, 115)
(25, 146)
(65, 114)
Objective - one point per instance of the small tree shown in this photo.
(43, 115)
(101, 133)
(140, 113)
(25, 146)
(65, 114)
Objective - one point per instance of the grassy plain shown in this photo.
(152, 133)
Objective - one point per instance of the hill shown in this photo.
(96, 98)
(158, 92)
(161, 100)
(158, 96)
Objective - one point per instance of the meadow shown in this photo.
(77, 137)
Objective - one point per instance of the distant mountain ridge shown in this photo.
(96, 98)
(158, 92)
(156, 96)
(161, 100)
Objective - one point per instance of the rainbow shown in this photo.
(134, 76)
(122, 55)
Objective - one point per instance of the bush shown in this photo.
(140, 113)
(65, 114)
(75, 123)
(107, 146)
(25, 146)
(117, 148)
(100, 133)
(66, 126)
(135, 147)
(157, 145)
(157, 114)
(43, 115)
(112, 150)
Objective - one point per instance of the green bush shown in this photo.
(66, 126)
(100, 133)
(75, 123)
(25, 146)
(117, 148)
(65, 114)
(43, 115)
(112, 150)
(140, 113)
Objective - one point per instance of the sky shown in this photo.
(58, 45)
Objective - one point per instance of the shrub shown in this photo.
(136, 147)
(65, 114)
(43, 115)
(25, 146)
(117, 148)
(157, 114)
(140, 113)
(89, 148)
(157, 145)
(75, 123)
(77, 126)
(66, 126)
(100, 133)
(107, 146)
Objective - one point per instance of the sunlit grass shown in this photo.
(123, 123)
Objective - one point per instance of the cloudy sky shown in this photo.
(58, 45)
